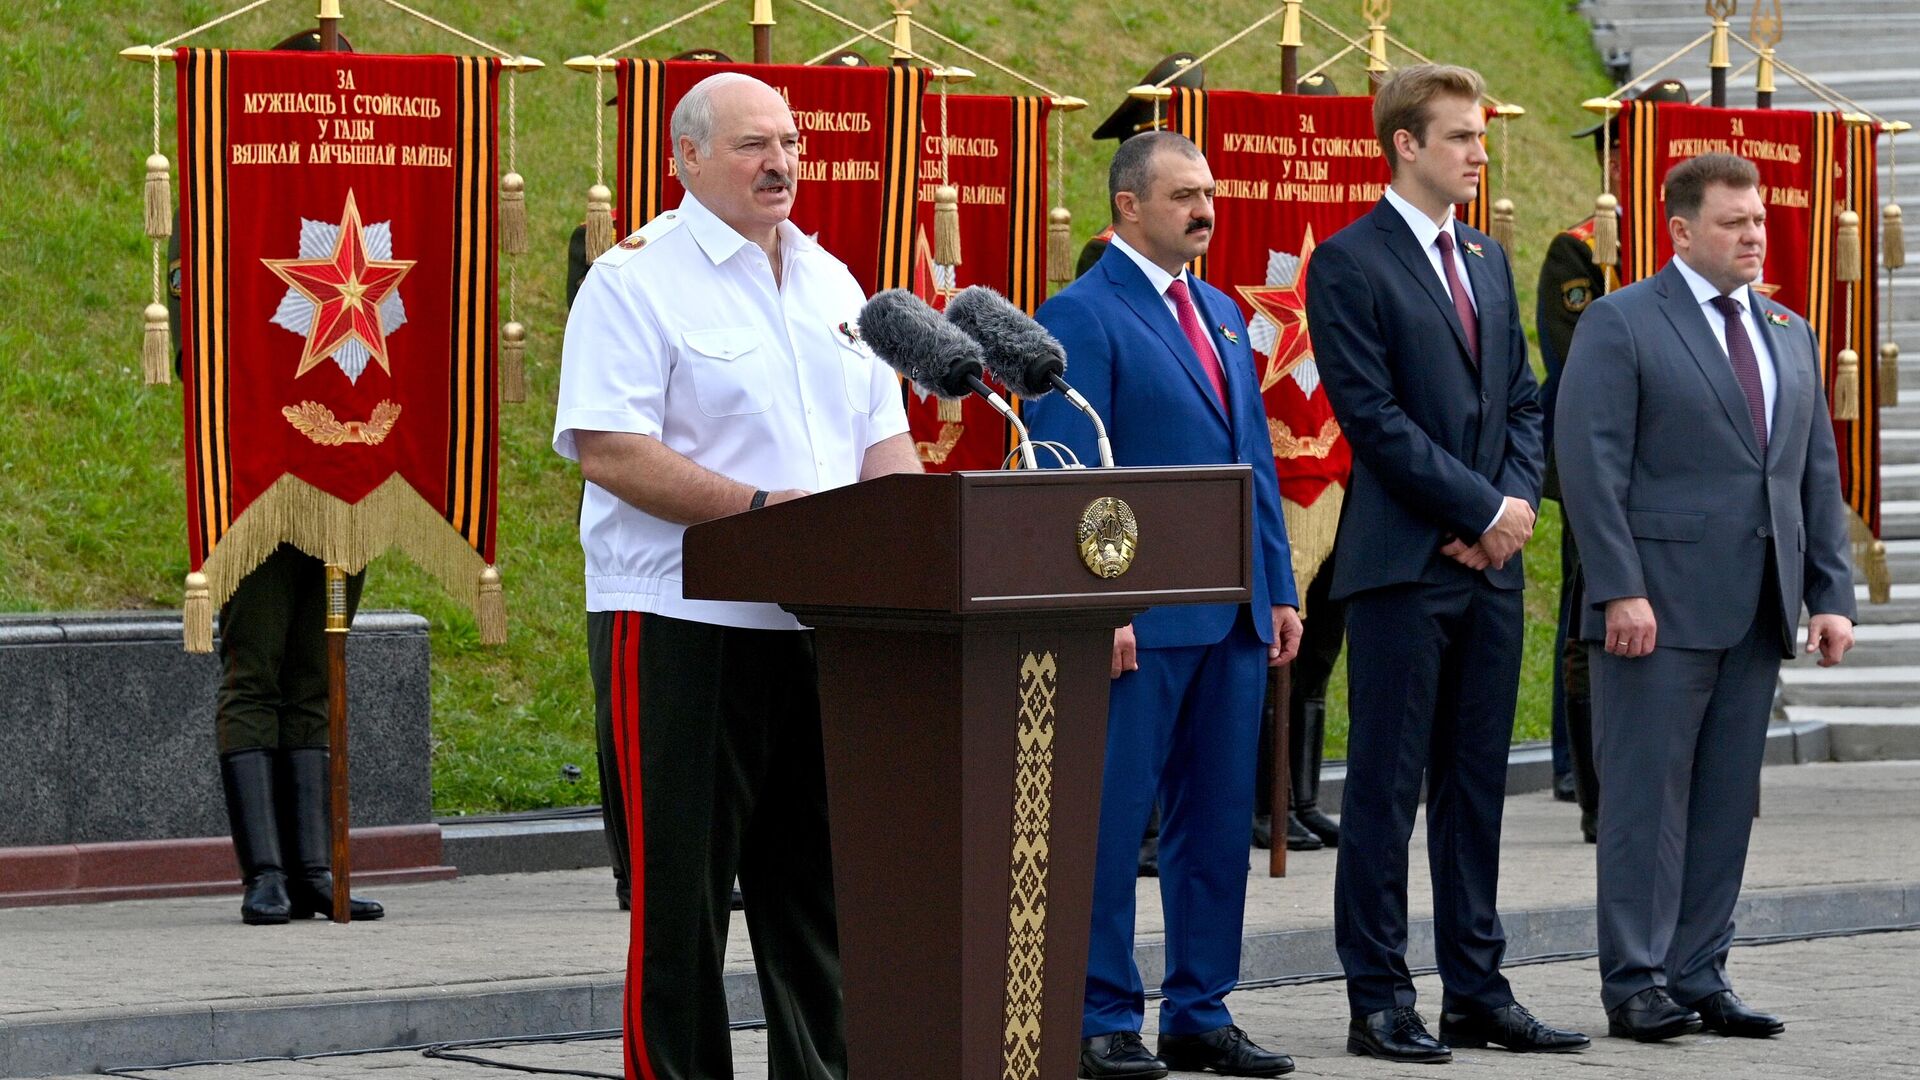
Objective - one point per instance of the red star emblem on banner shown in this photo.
(1285, 306)
(347, 288)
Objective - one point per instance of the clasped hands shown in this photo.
(1509, 534)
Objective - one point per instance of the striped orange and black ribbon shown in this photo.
(906, 89)
(472, 476)
(202, 76)
(643, 143)
(1640, 125)
(1477, 212)
(1861, 446)
(1187, 114)
(1027, 250)
(1821, 238)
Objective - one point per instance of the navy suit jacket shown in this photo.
(1126, 354)
(1438, 440)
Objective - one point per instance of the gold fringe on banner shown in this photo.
(1606, 230)
(393, 515)
(1846, 257)
(600, 221)
(1311, 531)
(159, 198)
(1870, 554)
(1893, 237)
(156, 353)
(492, 608)
(196, 616)
(951, 410)
(513, 214)
(513, 369)
(1502, 230)
(1889, 375)
(1059, 244)
(946, 225)
(1846, 386)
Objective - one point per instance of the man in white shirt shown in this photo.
(1698, 472)
(712, 367)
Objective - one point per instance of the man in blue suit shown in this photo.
(1163, 357)
(1420, 349)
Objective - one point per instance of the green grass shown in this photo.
(90, 471)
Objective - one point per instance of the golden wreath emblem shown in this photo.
(1109, 535)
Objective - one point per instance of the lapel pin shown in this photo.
(1776, 318)
(850, 331)
(1476, 250)
(1229, 334)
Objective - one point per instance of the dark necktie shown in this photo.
(1746, 366)
(1462, 304)
(1196, 335)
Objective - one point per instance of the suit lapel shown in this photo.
(1132, 287)
(1787, 379)
(1400, 241)
(1490, 305)
(1680, 308)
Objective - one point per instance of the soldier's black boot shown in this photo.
(246, 776)
(309, 831)
(1309, 746)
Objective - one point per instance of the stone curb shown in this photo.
(310, 1024)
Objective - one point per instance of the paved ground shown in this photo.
(1844, 999)
(1821, 825)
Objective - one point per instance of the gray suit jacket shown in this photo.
(1663, 480)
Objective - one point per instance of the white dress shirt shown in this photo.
(687, 338)
(1425, 231)
(1704, 293)
(1160, 280)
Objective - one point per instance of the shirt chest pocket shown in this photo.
(856, 373)
(730, 371)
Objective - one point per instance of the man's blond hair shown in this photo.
(1405, 101)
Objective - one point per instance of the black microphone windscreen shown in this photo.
(915, 341)
(1018, 351)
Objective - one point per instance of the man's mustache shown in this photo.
(1199, 223)
(773, 181)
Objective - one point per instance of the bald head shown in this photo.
(736, 149)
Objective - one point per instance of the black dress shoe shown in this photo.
(1320, 825)
(1726, 1014)
(1650, 1016)
(1590, 826)
(1226, 1051)
(1563, 787)
(1299, 838)
(1511, 1026)
(1119, 1053)
(1263, 831)
(1396, 1034)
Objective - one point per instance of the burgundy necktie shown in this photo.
(1746, 366)
(1462, 304)
(1197, 337)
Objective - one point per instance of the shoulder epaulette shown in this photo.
(637, 241)
(1582, 232)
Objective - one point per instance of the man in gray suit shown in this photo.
(1698, 468)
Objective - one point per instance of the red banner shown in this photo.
(859, 153)
(338, 319)
(995, 153)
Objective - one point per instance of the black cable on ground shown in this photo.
(455, 1051)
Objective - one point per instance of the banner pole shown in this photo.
(762, 23)
(329, 17)
(337, 736)
(1290, 42)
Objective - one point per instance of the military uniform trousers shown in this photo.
(273, 655)
(718, 751)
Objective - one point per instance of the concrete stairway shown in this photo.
(1865, 50)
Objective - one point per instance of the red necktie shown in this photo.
(1197, 337)
(1746, 366)
(1462, 304)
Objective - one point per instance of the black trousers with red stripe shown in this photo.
(717, 746)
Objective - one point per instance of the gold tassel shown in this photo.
(1502, 231)
(513, 214)
(492, 609)
(1889, 375)
(1606, 231)
(156, 357)
(1879, 576)
(196, 615)
(1893, 237)
(159, 198)
(1846, 387)
(1059, 244)
(946, 225)
(513, 370)
(952, 410)
(599, 221)
(1846, 246)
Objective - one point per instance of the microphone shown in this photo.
(932, 354)
(1021, 353)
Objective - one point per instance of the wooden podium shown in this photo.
(965, 650)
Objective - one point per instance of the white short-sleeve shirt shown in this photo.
(679, 333)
